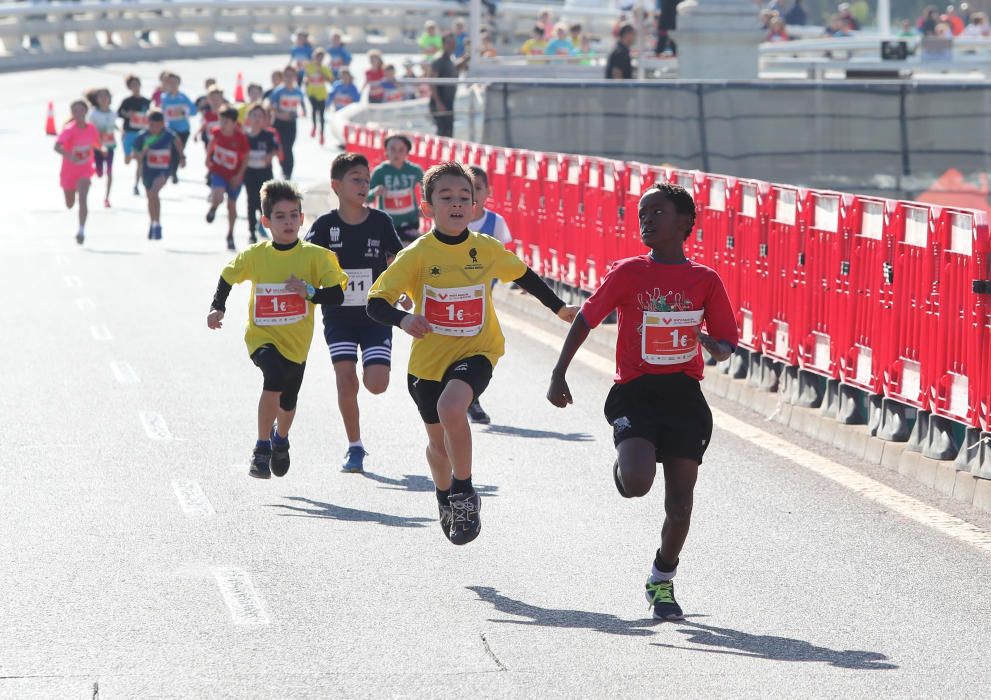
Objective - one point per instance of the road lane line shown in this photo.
(124, 373)
(193, 501)
(155, 425)
(85, 304)
(100, 332)
(240, 596)
(868, 488)
(72, 281)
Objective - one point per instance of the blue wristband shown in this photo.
(310, 290)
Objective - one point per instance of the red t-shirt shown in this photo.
(227, 153)
(374, 79)
(658, 306)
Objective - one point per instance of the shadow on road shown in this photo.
(540, 434)
(764, 646)
(417, 483)
(94, 251)
(332, 512)
(568, 619)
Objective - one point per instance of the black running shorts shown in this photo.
(476, 371)
(669, 410)
(279, 374)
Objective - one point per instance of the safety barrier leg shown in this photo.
(770, 374)
(942, 440)
(895, 421)
(975, 454)
(739, 363)
(851, 408)
(811, 389)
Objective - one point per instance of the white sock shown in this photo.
(356, 443)
(658, 575)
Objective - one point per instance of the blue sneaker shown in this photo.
(356, 460)
(280, 454)
(156, 232)
(660, 596)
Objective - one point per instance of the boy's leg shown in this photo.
(154, 198)
(375, 378)
(636, 466)
(680, 475)
(83, 189)
(452, 409)
(70, 198)
(346, 374)
(440, 465)
(268, 411)
(216, 197)
(231, 212)
(110, 172)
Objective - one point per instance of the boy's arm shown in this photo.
(558, 393)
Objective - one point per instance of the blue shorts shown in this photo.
(219, 181)
(344, 336)
(128, 141)
(149, 176)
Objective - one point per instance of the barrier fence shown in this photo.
(875, 310)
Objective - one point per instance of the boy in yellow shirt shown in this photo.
(288, 279)
(447, 273)
(318, 77)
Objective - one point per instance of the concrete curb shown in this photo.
(855, 440)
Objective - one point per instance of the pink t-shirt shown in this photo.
(79, 144)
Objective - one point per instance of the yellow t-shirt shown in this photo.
(318, 79)
(451, 286)
(275, 315)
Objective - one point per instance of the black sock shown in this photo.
(461, 485)
(663, 565)
(443, 497)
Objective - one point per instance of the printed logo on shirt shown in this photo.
(435, 271)
(622, 423)
(657, 300)
(373, 250)
(463, 367)
(473, 254)
(335, 234)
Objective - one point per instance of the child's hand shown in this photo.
(568, 313)
(559, 393)
(415, 325)
(215, 319)
(296, 286)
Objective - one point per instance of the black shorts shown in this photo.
(344, 336)
(279, 374)
(476, 371)
(408, 232)
(669, 410)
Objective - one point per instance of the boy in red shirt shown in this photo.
(226, 160)
(656, 406)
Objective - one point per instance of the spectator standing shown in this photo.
(952, 19)
(978, 26)
(460, 38)
(430, 41)
(575, 30)
(667, 21)
(796, 15)
(545, 20)
(620, 65)
(847, 16)
(777, 32)
(535, 45)
(560, 45)
(442, 96)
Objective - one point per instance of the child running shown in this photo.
(340, 57)
(458, 341)
(178, 108)
(133, 112)
(288, 278)
(374, 77)
(159, 151)
(365, 242)
(76, 144)
(226, 162)
(318, 78)
(656, 406)
(264, 144)
(344, 91)
(491, 224)
(287, 102)
(105, 121)
(394, 182)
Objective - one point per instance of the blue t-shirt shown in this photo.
(459, 46)
(342, 95)
(560, 47)
(340, 57)
(162, 150)
(287, 99)
(301, 53)
(177, 109)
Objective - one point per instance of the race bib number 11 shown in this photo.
(277, 306)
(458, 311)
(669, 337)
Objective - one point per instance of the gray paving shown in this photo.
(794, 586)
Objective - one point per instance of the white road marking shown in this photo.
(155, 425)
(193, 501)
(100, 332)
(868, 488)
(240, 596)
(72, 281)
(124, 373)
(85, 304)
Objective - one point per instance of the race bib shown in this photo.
(458, 311)
(176, 112)
(80, 154)
(343, 100)
(225, 157)
(393, 95)
(256, 159)
(107, 137)
(138, 120)
(399, 201)
(289, 103)
(669, 337)
(316, 79)
(356, 291)
(375, 90)
(159, 158)
(277, 306)
(336, 64)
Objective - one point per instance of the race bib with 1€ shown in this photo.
(669, 337)
(275, 305)
(458, 311)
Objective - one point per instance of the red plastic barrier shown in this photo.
(570, 246)
(603, 207)
(528, 179)
(713, 220)
(637, 179)
(550, 215)
(748, 282)
(785, 258)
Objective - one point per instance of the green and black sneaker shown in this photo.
(660, 595)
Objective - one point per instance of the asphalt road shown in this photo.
(138, 559)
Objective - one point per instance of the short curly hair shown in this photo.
(680, 197)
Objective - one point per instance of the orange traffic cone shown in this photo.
(239, 89)
(50, 121)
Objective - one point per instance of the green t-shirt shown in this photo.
(399, 200)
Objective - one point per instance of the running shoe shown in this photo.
(355, 460)
(156, 232)
(230, 243)
(80, 237)
(151, 232)
(137, 192)
(280, 455)
(477, 414)
(313, 132)
(446, 518)
(615, 478)
(175, 179)
(466, 522)
(211, 214)
(321, 139)
(260, 461)
(660, 595)
(106, 203)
